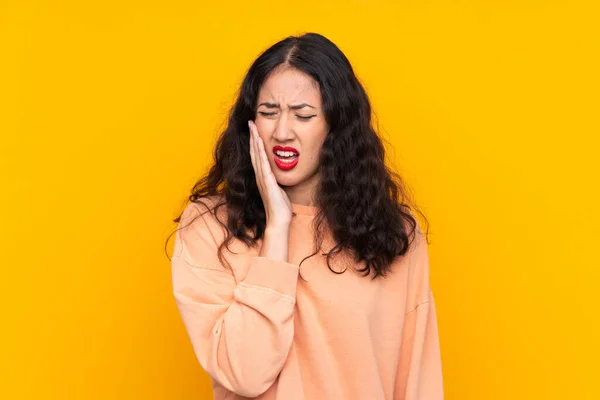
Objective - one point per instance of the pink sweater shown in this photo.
(262, 332)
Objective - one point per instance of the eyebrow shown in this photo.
(296, 107)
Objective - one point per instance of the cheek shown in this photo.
(260, 127)
(314, 150)
(316, 143)
(263, 124)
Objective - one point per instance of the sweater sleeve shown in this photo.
(241, 332)
(419, 375)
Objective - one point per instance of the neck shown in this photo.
(303, 193)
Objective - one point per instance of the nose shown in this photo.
(283, 130)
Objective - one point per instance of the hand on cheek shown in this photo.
(276, 202)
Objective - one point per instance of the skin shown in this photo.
(289, 113)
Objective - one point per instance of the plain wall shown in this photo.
(108, 115)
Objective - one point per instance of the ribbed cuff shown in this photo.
(280, 276)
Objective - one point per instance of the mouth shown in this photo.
(286, 157)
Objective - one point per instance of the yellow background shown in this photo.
(108, 113)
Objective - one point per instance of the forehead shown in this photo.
(290, 85)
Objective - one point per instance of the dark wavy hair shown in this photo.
(364, 204)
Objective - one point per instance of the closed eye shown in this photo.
(301, 117)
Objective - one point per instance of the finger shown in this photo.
(251, 147)
(268, 176)
(257, 159)
(264, 159)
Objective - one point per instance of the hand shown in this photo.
(276, 202)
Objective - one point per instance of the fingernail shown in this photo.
(249, 125)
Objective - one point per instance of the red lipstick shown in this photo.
(286, 163)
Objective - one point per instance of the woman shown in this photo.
(298, 269)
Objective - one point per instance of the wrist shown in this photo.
(275, 243)
(277, 228)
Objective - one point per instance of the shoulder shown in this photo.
(418, 268)
(417, 242)
(207, 207)
(204, 218)
(203, 205)
(200, 233)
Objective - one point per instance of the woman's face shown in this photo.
(289, 115)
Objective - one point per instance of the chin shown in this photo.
(287, 182)
(286, 179)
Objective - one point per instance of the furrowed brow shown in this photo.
(295, 107)
(269, 105)
(299, 106)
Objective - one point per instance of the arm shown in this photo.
(419, 374)
(240, 332)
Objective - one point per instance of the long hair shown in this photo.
(364, 204)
